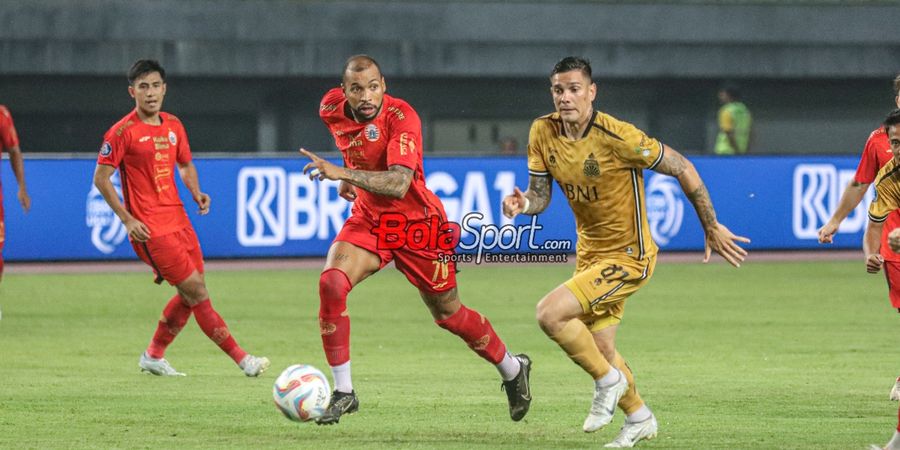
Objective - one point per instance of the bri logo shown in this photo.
(816, 192)
(107, 231)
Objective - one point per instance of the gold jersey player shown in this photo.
(598, 162)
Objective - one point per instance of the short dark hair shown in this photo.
(732, 90)
(144, 66)
(897, 85)
(570, 63)
(358, 63)
(892, 119)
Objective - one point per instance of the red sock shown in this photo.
(478, 333)
(174, 316)
(334, 322)
(212, 324)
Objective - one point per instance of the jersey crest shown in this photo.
(591, 167)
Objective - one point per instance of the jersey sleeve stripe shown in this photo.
(538, 174)
(662, 151)
(638, 209)
(608, 133)
(877, 219)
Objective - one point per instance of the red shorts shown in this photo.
(173, 257)
(892, 273)
(425, 268)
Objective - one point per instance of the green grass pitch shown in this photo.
(772, 355)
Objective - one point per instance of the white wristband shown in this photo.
(527, 204)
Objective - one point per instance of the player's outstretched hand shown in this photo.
(137, 231)
(874, 263)
(24, 200)
(826, 233)
(320, 168)
(347, 191)
(894, 240)
(724, 242)
(514, 204)
(203, 202)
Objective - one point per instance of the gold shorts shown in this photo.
(603, 288)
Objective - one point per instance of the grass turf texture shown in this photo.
(773, 355)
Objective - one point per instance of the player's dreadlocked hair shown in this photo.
(570, 63)
(143, 67)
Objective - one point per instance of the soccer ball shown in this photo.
(301, 392)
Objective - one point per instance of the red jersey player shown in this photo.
(876, 154)
(145, 146)
(9, 140)
(886, 203)
(380, 138)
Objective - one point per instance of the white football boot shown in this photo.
(604, 404)
(631, 433)
(159, 367)
(254, 365)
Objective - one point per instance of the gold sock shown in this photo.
(631, 401)
(577, 342)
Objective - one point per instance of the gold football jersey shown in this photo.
(887, 192)
(601, 174)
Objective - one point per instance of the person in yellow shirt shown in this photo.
(735, 123)
(598, 162)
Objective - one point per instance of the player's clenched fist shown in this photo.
(894, 240)
(515, 203)
(874, 263)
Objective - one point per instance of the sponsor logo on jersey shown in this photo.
(107, 231)
(665, 207)
(105, 149)
(372, 132)
(144, 139)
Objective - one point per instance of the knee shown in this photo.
(547, 318)
(608, 349)
(334, 285)
(442, 305)
(193, 293)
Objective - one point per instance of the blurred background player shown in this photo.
(9, 141)
(380, 138)
(145, 147)
(598, 162)
(885, 205)
(735, 123)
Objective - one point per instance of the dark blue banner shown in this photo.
(267, 208)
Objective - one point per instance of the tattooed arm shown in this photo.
(718, 237)
(393, 182)
(533, 201)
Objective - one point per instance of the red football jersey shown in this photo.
(876, 154)
(8, 136)
(394, 136)
(145, 156)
